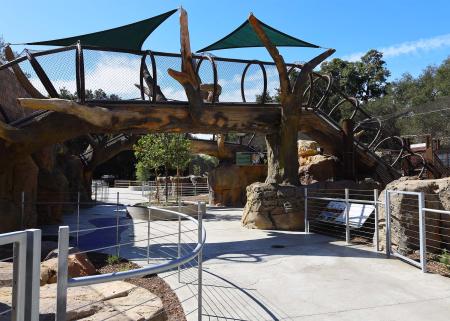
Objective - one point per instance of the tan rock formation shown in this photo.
(274, 207)
(228, 183)
(405, 215)
(78, 265)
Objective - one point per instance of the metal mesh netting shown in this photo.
(111, 75)
(60, 68)
(171, 89)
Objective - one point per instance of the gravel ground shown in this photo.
(153, 283)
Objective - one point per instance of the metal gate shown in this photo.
(420, 227)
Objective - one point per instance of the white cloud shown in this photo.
(409, 47)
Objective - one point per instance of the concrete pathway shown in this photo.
(272, 275)
(269, 275)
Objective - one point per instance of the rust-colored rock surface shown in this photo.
(228, 183)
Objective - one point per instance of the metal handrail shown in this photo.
(153, 269)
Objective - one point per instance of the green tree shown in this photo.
(168, 151)
(365, 79)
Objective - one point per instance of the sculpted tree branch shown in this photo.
(282, 145)
(187, 77)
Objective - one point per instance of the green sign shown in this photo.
(243, 158)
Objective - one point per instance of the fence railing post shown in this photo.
(117, 226)
(387, 214)
(33, 266)
(179, 239)
(95, 192)
(78, 217)
(22, 211)
(201, 211)
(18, 279)
(62, 275)
(148, 234)
(377, 230)
(347, 216)
(306, 211)
(422, 233)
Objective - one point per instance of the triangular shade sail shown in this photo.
(244, 36)
(130, 36)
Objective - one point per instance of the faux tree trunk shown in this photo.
(282, 150)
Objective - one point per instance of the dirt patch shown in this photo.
(153, 283)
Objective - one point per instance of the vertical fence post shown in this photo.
(422, 231)
(95, 192)
(62, 276)
(387, 214)
(201, 211)
(22, 211)
(117, 226)
(32, 283)
(347, 216)
(179, 239)
(148, 233)
(18, 281)
(306, 211)
(377, 231)
(78, 217)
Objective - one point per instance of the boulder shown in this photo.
(405, 215)
(117, 300)
(274, 207)
(317, 168)
(307, 148)
(77, 264)
(228, 183)
(6, 273)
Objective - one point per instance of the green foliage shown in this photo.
(112, 259)
(365, 79)
(410, 104)
(444, 258)
(169, 151)
(202, 163)
(143, 173)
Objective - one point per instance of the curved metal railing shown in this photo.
(65, 282)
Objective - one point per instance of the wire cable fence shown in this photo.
(346, 214)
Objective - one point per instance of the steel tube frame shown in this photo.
(33, 269)
(422, 229)
(347, 216)
(19, 241)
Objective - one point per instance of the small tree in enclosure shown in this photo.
(168, 151)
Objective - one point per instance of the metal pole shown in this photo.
(347, 217)
(148, 234)
(423, 232)
(62, 276)
(117, 225)
(201, 211)
(387, 211)
(22, 211)
(78, 216)
(95, 191)
(179, 239)
(18, 282)
(377, 231)
(306, 211)
(32, 283)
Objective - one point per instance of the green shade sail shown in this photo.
(128, 37)
(244, 37)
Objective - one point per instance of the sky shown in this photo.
(412, 34)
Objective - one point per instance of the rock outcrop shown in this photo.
(274, 207)
(115, 301)
(228, 183)
(77, 264)
(405, 215)
(314, 167)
